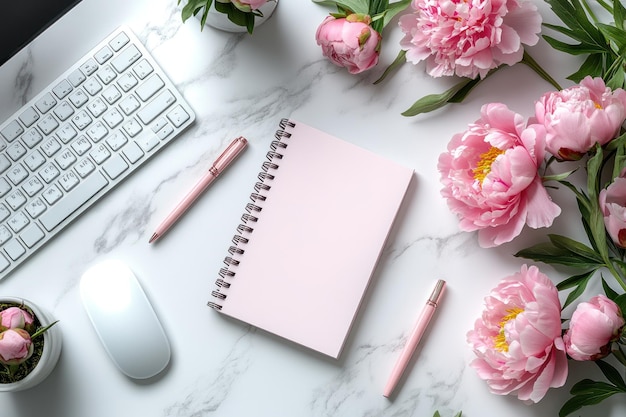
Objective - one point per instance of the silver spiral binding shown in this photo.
(251, 216)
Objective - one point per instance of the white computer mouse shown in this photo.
(124, 319)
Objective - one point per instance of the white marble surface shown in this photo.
(243, 85)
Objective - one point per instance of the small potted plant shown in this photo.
(29, 344)
(229, 15)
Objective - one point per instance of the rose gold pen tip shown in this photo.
(153, 238)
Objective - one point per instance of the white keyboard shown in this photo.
(76, 140)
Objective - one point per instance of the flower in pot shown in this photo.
(241, 15)
(29, 348)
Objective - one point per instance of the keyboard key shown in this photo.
(5, 187)
(34, 209)
(115, 166)
(16, 151)
(52, 194)
(103, 55)
(4, 264)
(62, 89)
(97, 131)
(47, 124)
(78, 98)
(12, 130)
(66, 133)
(45, 103)
(5, 235)
(149, 87)
(51, 146)
(16, 199)
(93, 86)
(29, 116)
(85, 167)
(132, 127)
(14, 249)
(116, 140)
(68, 180)
(127, 81)
(126, 58)
(119, 41)
(63, 111)
(76, 78)
(111, 94)
(4, 163)
(17, 174)
(178, 116)
(32, 186)
(34, 160)
(81, 120)
(65, 159)
(32, 138)
(161, 102)
(31, 235)
(18, 222)
(107, 74)
(147, 141)
(81, 145)
(73, 201)
(97, 107)
(89, 67)
(143, 69)
(129, 105)
(113, 118)
(4, 213)
(49, 173)
(133, 152)
(100, 154)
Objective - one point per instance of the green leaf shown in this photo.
(620, 300)
(433, 102)
(576, 247)
(593, 66)
(193, 7)
(355, 6)
(596, 219)
(619, 14)
(587, 392)
(549, 254)
(394, 9)
(610, 293)
(612, 375)
(581, 284)
(400, 59)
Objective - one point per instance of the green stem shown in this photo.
(530, 61)
(618, 277)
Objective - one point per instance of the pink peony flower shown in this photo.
(15, 317)
(349, 42)
(517, 340)
(613, 206)
(468, 38)
(578, 117)
(593, 326)
(491, 180)
(15, 346)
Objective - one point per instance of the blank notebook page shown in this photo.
(318, 237)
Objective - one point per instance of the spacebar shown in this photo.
(73, 200)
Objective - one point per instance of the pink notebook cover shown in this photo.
(309, 253)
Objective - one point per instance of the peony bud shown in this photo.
(15, 346)
(349, 42)
(613, 206)
(594, 325)
(15, 318)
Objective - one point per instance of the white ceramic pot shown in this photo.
(53, 342)
(220, 21)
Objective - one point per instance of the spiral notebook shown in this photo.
(310, 239)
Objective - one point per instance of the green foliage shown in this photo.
(238, 17)
(604, 44)
(588, 392)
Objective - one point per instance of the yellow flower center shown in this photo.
(483, 168)
(598, 105)
(499, 341)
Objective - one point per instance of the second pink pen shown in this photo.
(224, 160)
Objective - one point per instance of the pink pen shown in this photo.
(224, 160)
(414, 339)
